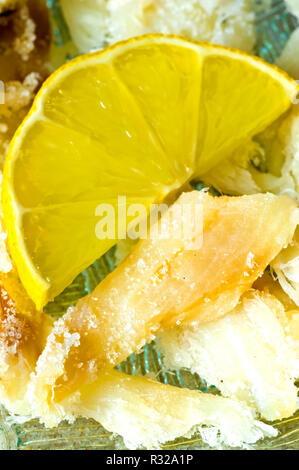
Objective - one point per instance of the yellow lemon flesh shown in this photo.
(138, 119)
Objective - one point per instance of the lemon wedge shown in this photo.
(139, 119)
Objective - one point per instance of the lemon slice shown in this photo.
(138, 119)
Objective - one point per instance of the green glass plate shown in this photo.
(273, 26)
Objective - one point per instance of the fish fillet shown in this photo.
(162, 283)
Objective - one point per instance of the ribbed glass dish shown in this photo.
(273, 27)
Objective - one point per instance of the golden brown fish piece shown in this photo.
(162, 283)
(24, 50)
